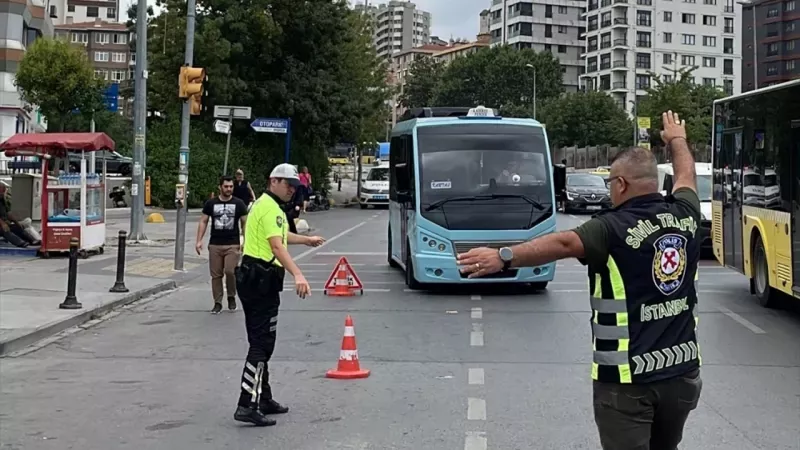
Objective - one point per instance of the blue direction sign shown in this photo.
(279, 126)
(111, 97)
(262, 125)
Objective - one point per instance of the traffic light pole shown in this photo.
(183, 171)
(139, 125)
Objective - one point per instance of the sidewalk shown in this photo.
(32, 288)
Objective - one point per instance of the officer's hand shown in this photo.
(480, 261)
(673, 126)
(315, 241)
(198, 247)
(301, 286)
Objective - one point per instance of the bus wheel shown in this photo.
(536, 287)
(766, 295)
(392, 263)
(411, 282)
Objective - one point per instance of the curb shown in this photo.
(52, 328)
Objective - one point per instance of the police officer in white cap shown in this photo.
(259, 281)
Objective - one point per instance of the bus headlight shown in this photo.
(434, 244)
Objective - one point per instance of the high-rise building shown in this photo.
(485, 21)
(21, 23)
(106, 45)
(80, 11)
(543, 25)
(627, 40)
(398, 26)
(772, 54)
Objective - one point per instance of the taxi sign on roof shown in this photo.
(480, 111)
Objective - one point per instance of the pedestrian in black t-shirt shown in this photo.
(242, 189)
(223, 247)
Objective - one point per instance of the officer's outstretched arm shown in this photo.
(674, 135)
(546, 249)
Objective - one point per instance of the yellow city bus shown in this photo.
(756, 192)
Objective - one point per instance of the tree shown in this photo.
(499, 77)
(693, 102)
(424, 75)
(59, 78)
(586, 118)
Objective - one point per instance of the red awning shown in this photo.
(56, 144)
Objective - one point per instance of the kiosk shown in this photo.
(73, 205)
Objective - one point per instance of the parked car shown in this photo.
(375, 189)
(115, 163)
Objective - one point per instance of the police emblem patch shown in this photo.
(669, 263)
(279, 221)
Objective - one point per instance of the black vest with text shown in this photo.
(644, 298)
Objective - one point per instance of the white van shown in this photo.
(375, 187)
(704, 190)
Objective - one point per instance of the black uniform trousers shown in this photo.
(645, 416)
(258, 286)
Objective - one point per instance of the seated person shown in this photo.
(11, 230)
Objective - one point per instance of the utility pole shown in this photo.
(139, 125)
(183, 172)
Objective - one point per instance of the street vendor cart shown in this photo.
(74, 205)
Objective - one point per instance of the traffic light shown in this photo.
(190, 81)
(195, 105)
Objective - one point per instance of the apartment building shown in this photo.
(627, 40)
(770, 43)
(21, 23)
(80, 11)
(106, 45)
(556, 26)
(398, 26)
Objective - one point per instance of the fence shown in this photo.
(603, 155)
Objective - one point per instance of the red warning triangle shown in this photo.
(353, 282)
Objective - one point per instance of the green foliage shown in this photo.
(693, 102)
(424, 75)
(310, 61)
(586, 118)
(58, 77)
(496, 77)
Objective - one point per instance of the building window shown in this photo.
(111, 13)
(118, 75)
(727, 86)
(772, 69)
(709, 2)
(687, 60)
(789, 5)
(642, 81)
(79, 38)
(667, 58)
(667, 38)
(562, 29)
(92, 11)
(790, 66)
(70, 8)
(727, 66)
(643, 39)
(709, 81)
(709, 62)
(687, 18)
(102, 74)
(118, 57)
(687, 39)
(711, 21)
(709, 41)
(101, 38)
(727, 45)
(562, 49)
(728, 25)
(101, 56)
(667, 16)
(562, 10)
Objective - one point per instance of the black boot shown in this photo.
(272, 407)
(252, 415)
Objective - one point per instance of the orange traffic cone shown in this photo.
(348, 367)
(342, 286)
(343, 281)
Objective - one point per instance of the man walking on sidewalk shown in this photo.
(223, 246)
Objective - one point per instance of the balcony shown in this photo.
(605, 23)
(605, 66)
(592, 27)
(620, 42)
(644, 23)
(623, 3)
(728, 30)
(728, 50)
(619, 85)
(591, 48)
(644, 44)
(620, 64)
(642, 86)
(621, 21)
(728, 10)
(605, 44)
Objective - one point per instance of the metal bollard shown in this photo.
(119, 284)
(70, 301)
(340, 185)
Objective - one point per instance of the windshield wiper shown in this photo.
(440, 203)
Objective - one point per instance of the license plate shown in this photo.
(379, 197)
(593, 207)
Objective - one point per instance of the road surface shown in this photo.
(456, 370)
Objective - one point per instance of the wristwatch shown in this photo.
(506, 255)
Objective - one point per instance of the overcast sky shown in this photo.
(458, 18)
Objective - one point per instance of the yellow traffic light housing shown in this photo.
(195, 105)
(190, 81)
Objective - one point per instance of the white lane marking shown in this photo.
(351, 254)
(742, 321)
(476, 376)
(475, 297)
(476, 440)
(476, 409)
(476, 313)
(328, 241)
(476, 336)
(573, 216)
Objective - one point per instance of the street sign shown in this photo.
(111, 97)
(238, 112)
(221, 126)
(262, 125)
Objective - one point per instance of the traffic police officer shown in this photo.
(259, 281)
(642, 257)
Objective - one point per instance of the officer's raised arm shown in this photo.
(674, 136)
